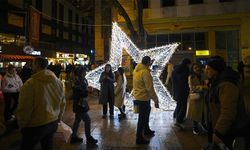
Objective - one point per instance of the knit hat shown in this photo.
(217, 63)
(146, 60)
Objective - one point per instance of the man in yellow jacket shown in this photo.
(41, 106)
(143, 91)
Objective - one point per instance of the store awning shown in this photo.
(6, 57)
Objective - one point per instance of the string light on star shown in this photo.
(160, 55)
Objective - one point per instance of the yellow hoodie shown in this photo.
(143, 89)
(41, 100)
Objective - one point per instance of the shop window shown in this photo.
(188, 41)
(165, 3)
(151, 41)
(220, 40)
(173, 38)
(200, 41)
(162, 39)
(195, 1)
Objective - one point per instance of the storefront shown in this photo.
(16, 60)
(65, 59)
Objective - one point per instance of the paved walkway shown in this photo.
(120, 135)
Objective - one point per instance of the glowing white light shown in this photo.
(160, 55)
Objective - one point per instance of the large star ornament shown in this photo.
(160, 55)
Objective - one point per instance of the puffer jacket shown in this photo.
(41, 100)
(143, 89)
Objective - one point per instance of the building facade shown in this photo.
(202, 27)
(58, 25)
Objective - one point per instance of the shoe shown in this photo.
(75, 139)
(141, 141)
(196, 131)
(91, 141)
(122, 116)
(149, 133)
(104, 116)
(180, 125)
(111, 116)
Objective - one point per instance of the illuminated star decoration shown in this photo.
(160, 55)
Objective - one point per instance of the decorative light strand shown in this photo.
(160, 55)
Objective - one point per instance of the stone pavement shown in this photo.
(120, 135)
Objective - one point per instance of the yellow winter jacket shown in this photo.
(41, 100)
(143, 89)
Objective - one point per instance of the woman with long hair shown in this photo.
(120, 91)
(196, 104)
(107, 91)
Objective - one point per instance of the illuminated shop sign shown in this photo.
(202, 52)
(64, 55)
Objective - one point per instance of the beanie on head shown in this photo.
(217, 63)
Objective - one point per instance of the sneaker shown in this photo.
(141, 141)
(104, 116)
(91, 141)
(196, 131)
(76, 139)
(180, 125)
(122, 116)
(111, 116)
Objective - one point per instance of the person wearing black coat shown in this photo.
(180, 90)
(81, 107)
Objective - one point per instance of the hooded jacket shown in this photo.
(143, 89)
(11, 83)
(41, 100)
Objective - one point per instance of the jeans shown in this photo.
(9, 99)
(111, 108)
(43, 134)
(143, 120)
(85, 117)
(181, 108)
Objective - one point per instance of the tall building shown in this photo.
(52, 27)
(202, 27)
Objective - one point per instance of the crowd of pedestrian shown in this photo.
(210, 96)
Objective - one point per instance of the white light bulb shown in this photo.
(161, 55)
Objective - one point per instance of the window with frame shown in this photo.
(195, 1)
(165, 3)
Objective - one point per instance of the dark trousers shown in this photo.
(11, 101)
(143, 120)
(180, 109)
(111, 108)
(87, 123)
(43, 134)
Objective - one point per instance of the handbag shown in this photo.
(63, 132)
(194, 96)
